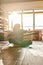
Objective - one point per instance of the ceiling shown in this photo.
(11, 1)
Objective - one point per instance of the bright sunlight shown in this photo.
(14, 18)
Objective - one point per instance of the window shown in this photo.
(28, 21)
(27, 18)
(38, 10)
(14, 18)
(39, 21)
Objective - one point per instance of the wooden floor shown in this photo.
(22, 56)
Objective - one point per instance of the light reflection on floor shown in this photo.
(1, 63)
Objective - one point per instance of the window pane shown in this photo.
(28, 21)
(39, 21)
(38, 10)
(27, 28)
(14, 18)
(17, 19)
(41, 27)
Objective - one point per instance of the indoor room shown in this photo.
(21, 32)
